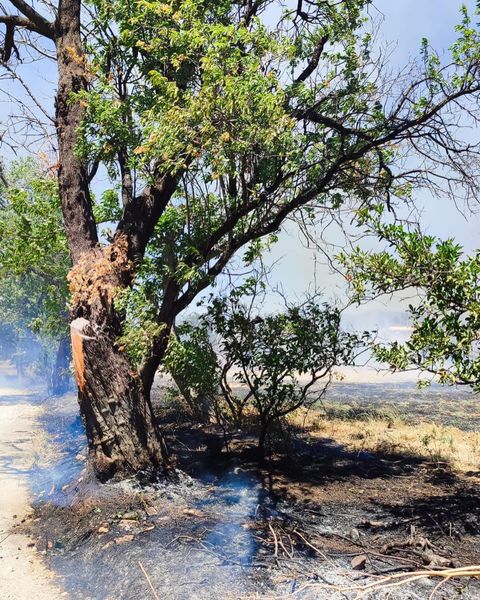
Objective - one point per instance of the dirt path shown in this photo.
(22, 574)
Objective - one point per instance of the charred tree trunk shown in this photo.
(121, 430)
(122, 434)
(114, 401)
(60, 377)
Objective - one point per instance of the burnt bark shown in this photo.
(262, 439)
(114, 401)
(122, 433)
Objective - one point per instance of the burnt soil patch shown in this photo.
(229, 527)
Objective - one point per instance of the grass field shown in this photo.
(436, 424)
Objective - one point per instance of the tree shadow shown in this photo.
(448, 515)
(322, 460)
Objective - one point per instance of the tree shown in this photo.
(34, 263)
(216, 127)
(445, 337)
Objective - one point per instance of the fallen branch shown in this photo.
(392, 581)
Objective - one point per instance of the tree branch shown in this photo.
(35, 21)
(141, 214)
(251, 11)
(314, 60)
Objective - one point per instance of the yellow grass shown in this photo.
(432, 442)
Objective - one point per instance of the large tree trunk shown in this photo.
(122, 434)
(121, 430)
(114, 401)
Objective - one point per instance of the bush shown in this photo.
(282, 361)
(192, 363)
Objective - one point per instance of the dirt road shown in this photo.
(22, 573)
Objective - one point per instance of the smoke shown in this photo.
(27, 362)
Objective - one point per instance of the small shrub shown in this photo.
(283, 361)
(192, 362)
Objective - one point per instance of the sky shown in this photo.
(403, 25)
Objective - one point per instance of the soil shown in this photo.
(303, 524)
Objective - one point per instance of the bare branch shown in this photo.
(314, 60)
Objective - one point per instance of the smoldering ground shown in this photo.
(229, 528)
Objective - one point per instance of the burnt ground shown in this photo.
(228, 527)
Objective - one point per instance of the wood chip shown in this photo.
(124, 539)
(358, 563)
(192, 512)
(128, 523)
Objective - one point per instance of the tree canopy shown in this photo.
(445, 314)
(34, 262)
(34, 258)
(216, 122)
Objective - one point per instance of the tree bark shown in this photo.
(72, 170)
(60, 376)
(114, 403)
(120, 425)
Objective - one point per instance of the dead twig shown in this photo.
(155, 595)
(317, 550)
(275, 540)
(4, 538)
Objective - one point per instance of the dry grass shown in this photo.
(393, 436)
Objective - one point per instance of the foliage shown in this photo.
(219, 119)
(446, 316)
(34, 258)
(34, 262)
(140, 328)
(193, 363)
(252, 121)
(278, 359)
